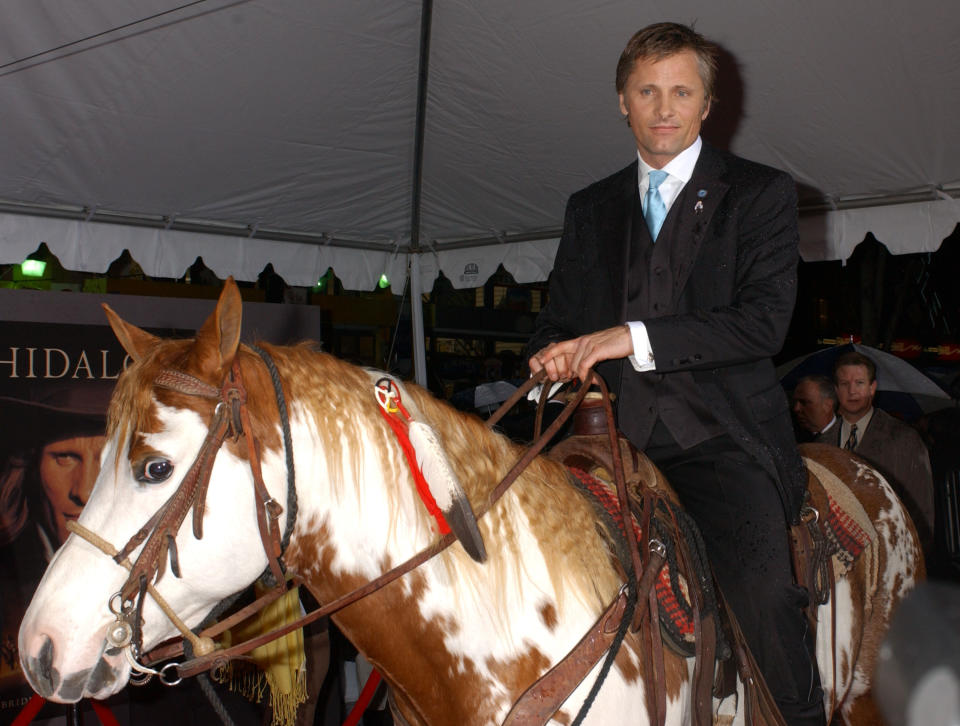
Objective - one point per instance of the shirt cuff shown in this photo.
(642, 358)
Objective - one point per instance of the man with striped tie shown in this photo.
(893, 447)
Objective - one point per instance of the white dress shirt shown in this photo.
(679, 170)
(832, 422)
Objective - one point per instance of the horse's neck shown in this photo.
(360, 515)
(452, 627)
(452, 620)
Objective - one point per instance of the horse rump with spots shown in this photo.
(287, 454)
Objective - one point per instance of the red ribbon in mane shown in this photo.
(391, 407)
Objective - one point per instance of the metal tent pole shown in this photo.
(416, 319)
(416, 200)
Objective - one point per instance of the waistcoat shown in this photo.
(673, 398)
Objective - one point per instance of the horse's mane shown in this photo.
(576, 557)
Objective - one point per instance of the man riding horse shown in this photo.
(677, 275)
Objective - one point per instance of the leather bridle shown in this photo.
(231, 419)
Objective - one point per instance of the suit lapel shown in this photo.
(614, 230)
(876, 436)
(692, 213)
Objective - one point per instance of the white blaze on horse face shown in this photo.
(70, 605)
(230, 555)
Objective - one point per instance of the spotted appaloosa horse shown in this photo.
(457, 640)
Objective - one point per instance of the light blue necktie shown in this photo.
(655, 210)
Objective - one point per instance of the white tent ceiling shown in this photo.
(285, 131)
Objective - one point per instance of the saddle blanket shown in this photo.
(845, 524)
(676, 611)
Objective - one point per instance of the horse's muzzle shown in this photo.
(37, 658)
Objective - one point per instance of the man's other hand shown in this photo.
(574, 358)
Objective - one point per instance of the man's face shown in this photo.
(812, 409)
(665, 103)
(68, 469)
(855, 391)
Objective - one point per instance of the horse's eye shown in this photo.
(155, 470)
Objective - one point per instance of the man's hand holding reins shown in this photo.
(574, 358)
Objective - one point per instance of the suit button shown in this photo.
(656, 307)
(657, 270)
(652, 409)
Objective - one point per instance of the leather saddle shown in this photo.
(587, 449)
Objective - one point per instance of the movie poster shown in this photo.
(55, 383)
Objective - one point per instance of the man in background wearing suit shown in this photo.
(893, 447)
(814, 405)
(677, 277)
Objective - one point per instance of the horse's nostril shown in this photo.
(38, 664)
(45, 659)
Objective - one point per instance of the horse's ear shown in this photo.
(134, 340)
(219, 338)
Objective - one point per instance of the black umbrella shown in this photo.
(901, 388)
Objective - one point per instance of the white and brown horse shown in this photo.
(457, 640)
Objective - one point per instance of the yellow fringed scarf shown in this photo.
(281, 665)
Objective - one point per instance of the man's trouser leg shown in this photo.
(738, 510)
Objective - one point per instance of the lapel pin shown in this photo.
(702, 193)
(698, 207)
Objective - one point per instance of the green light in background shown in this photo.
(33, 268)
(384, 281)
(324, 280)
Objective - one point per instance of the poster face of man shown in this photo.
(68, 469)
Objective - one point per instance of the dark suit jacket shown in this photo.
(898, 452)
(734, 284)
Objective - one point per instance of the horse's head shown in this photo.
(154, 436)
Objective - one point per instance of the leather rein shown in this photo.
(231, 419)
